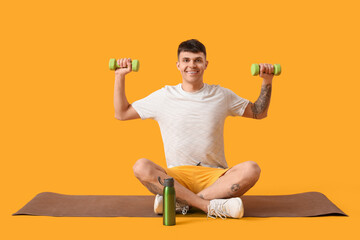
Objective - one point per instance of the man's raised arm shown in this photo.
(123, 110)
(259, 109)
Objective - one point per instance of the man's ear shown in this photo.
(178, 65)
(206, 64)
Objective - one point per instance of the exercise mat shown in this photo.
(309, 204)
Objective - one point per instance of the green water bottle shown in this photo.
(169, 201)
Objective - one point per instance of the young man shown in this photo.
(191, 117)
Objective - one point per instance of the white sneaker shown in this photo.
(232, 207)
(158, 206)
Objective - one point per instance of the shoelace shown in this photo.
(184, 209)
(216, 209)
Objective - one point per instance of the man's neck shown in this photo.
(192, 87)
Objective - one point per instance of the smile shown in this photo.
(192, 72)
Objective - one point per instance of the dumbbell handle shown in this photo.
(255, 69)
(113, 65)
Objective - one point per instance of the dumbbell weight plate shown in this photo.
(277, 69)
(112, 64)
(135, 65)
(255, 69)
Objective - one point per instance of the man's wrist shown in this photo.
(267, 81)
(119, 77)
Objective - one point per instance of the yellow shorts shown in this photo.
(195, 178)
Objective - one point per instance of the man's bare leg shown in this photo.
(148, 172)
(234, 183)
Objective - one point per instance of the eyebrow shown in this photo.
(194, 58)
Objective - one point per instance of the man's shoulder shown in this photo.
(170, 87)
(218, 89)
(165, 88)
(221, 87)
(225, 89)
(171, 90)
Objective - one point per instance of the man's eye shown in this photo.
(186, 60)
(198, 60)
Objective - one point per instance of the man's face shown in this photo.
(192, 66)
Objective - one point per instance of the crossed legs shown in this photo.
(234, 183)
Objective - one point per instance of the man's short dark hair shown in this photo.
(191, 45)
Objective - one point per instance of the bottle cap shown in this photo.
(169, 182)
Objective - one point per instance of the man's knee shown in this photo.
(249, 170)
(142, 168)
(253, 169)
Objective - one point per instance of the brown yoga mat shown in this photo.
(309, 204)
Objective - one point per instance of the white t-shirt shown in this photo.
(192, 124)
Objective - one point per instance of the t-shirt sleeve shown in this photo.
(236, 105)
(149, 106)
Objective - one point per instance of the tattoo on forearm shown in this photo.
(201, 196)
(262, 103)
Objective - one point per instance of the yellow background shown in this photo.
(59, 134)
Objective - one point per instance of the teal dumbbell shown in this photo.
(113, 64)
(255, 69)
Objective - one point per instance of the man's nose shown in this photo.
(192, 63)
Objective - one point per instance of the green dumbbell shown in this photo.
(255, 69)
(113, 64)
